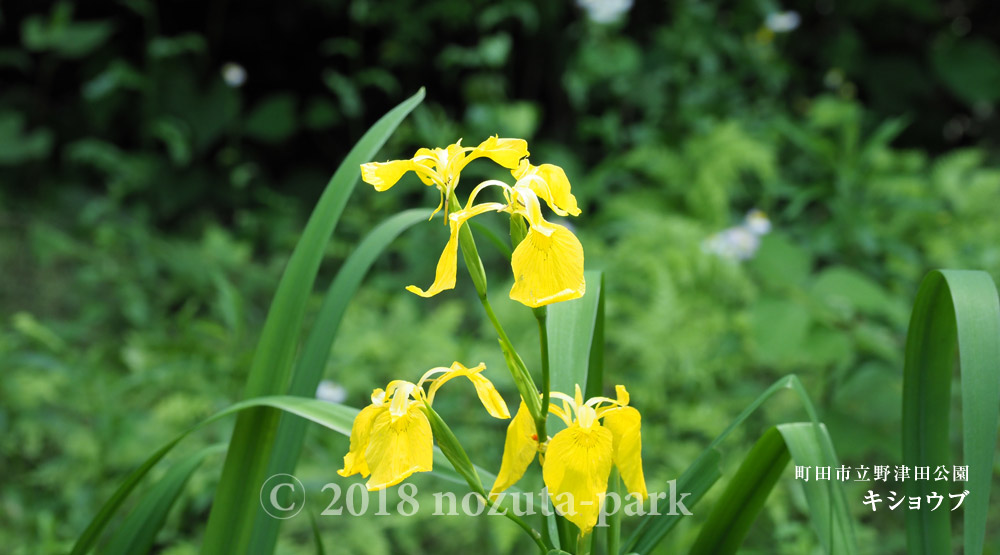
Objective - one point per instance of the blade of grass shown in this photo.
(952, 308)
(235, 514)
(139, 529)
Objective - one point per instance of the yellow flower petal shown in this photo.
(577, 464)
(444, 275)
(488, 394)
(354, 460)
(548, 269)
(518, 450)
(384, 175)
(506, 152)
(622, 394)
(551, 185)
(625, 424)
(398, 447)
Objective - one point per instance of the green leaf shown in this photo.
(273, 119)
(828, 510)
(103, 516)
(336, 417)
(317, 538)
(953, 308)
(730, 519)
(235, 516)
(696, 480)
(840, 286)
(571, 329)
(138, 531)
(311, 363)
(17, 145)
(778, 328)
(970, 67)
(704, 471)
(781, 263)
(807, 445)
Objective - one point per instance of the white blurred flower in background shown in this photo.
(233, 74)
(782, 22)
(605, 11)
(331, 392)
(740, 242)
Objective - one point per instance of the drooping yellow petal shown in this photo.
(487, 393)
(384, 175)
(398, 447)
(518, 450)
(506, 152)
(550, 184)
(447, 266)
(547, 269)
(576, 470)
(354, 460)
(625, 424)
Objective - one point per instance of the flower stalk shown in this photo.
(522, 378)
(601, 439)
(459, 459)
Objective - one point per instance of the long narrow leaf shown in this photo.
(235, 515)
(329, 415)
(89, 536)
(571, 326)
(951, 307)
(731, 518)
(704, 471)
(828, 509)
(309, 367)
(139, 529)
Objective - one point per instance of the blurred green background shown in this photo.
(158, 162)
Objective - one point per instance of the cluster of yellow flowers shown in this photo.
(548, 263)
(392, 438)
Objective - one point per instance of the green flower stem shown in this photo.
(541, 315)
(583, 544)
(615, 519)
(472, 261)
(459, 459)
(522, 378)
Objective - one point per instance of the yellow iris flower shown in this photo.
(577, 460)
(391, 438)
(548, 263)
(442, 167)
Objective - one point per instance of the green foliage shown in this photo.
(150, 206)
